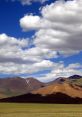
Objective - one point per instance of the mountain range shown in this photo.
(17, 86)
(61, 90)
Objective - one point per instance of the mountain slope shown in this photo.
(17, 86)
(12, 86)
(65, 88)
(34, 84)
(75, 79)
(71, 86)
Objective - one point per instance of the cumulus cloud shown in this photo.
(58, 31)
(59, 28)
(15, 68)
(15, 57)
(60, 70)
(30, 22)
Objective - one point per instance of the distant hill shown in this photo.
(65, 88)
(75, 77)
(71, 86)
(18, 86)
(32, 90)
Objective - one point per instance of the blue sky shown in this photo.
(55, 43)
(11, 13)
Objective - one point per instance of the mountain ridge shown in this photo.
(17, 86)
(71, 87)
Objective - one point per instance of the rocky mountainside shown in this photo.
(71, 86)
(32, 90)
(65, 88)
(18, 86)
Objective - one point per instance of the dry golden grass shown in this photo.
(40, 110)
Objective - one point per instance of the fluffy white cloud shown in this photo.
(30, 22)
(58, 32)
(59, 28)
(41, 66)
(15, 57)
(28, 68)
(60, 70)
(41, 53)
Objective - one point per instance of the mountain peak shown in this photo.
(75, 77)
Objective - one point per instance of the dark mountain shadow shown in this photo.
(57, 98)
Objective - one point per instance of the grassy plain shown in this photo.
(40, 110)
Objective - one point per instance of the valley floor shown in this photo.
(40, 110)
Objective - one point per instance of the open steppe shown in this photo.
(40, 110)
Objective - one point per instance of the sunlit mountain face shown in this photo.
(16, 86)
(40, 39)
(62, 90)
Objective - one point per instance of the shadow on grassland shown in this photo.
(58, 98)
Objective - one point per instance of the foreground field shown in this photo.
(39, 110)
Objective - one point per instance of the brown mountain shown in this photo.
(75, 77)
(61, 90)
(17, 86)
(71, 86)
(34, 84)
(62, 85)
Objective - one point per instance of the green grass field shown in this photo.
(40, 110)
